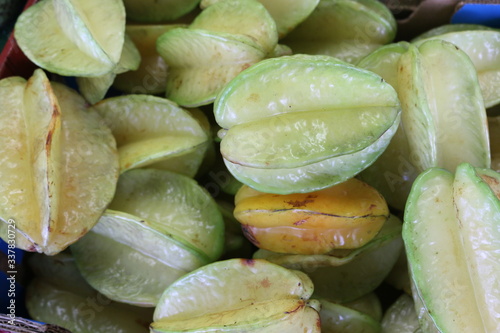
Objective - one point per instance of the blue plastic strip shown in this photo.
(485, 14)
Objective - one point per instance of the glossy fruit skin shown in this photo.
(344, 29)
(239, 295)
(154, 132)
(452, 242)
(60, 37)
(59, 164)
(345, 275)
(480, 43)
(59, 295)
(344, 216)
(326, 124)
(443, 118)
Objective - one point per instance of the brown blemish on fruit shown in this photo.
(245, 66)
(49, 139)
(248, 262)
(300, 306)
(254, 97)
(84, 231)
(299, 203)
(52, 126)
(493, 183)
(265, 283)
(318, 323)
(300, 222)
(247, 232)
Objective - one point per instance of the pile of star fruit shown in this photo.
(253, 166)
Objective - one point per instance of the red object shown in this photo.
(13, 62)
